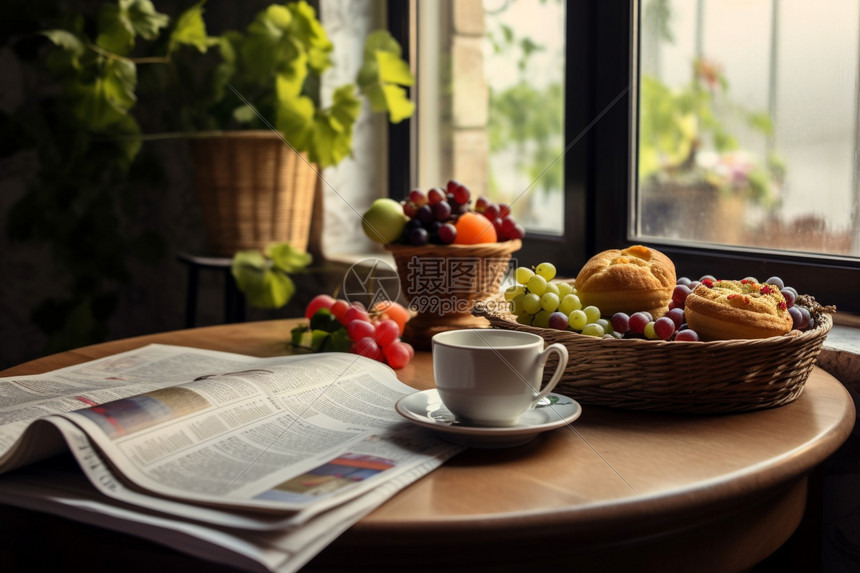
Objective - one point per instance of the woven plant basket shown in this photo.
(689, 377)
(442, 283)
(253, 190)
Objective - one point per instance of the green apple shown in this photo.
(384, 221)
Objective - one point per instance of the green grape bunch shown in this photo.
(539, 300)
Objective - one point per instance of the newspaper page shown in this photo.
(310, 443)
(260, 434)
(57, 486)
(24, 399)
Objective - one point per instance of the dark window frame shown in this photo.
(601, 68)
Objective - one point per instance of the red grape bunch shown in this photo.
(437, 216)
(336, 325)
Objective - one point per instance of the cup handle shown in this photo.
(561, 350)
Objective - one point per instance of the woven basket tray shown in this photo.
(689, 377)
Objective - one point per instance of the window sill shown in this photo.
(840, 355)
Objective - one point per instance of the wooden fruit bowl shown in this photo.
(442, 283)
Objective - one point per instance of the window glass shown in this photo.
(494, 119)
(748, 123)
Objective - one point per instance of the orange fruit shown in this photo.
(474, 228)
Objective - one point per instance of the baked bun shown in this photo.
(629, 280)
(722, 310)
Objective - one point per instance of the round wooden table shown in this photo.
(615, 490)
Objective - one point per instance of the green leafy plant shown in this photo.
(264, 276)
(105, 75)
(82, 201)
(268, 75)
(683, 137)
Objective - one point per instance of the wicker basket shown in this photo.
(442, 283)
(253, 190)
(690, 377)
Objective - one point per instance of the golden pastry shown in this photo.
(630, 280)
(723, 310)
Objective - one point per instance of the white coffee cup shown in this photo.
(490, 377)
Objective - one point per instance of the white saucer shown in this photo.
(425, 409)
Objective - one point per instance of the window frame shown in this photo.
(601, 86)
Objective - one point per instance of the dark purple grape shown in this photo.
(407, 230)
(796, 317)
(425, 214)
(491, 212)
(664, 327)
(558, 320)
(686, 335)
(800, 317)
(776, 281)
(790, 296)
(703, 277)
(442, 211)
(462, 195)
(677, 316)
(419, 236)
(683, 281)
(447, 233)
(620, 322)
(805, 317)
(637, 322)
(679, 295)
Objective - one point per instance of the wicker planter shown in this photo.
(442, 283)
(253, 190)
(691, 377)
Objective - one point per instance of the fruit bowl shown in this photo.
(442, 283)
(715, 377)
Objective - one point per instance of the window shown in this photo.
(491, 103)
(769, 176)
(615, 57)
(747, 136)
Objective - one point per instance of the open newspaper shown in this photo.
(258, 463)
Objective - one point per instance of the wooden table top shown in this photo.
(610, 478)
